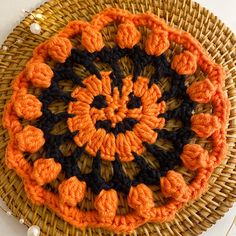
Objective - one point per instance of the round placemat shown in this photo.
(217, 40)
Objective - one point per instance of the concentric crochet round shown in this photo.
(116, 118)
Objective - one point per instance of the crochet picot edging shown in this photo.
(116, 118)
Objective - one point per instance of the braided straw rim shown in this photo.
(170, 227)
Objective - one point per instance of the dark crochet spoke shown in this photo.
(121, 127)
(147, 174)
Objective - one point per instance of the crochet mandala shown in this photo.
(116, 118)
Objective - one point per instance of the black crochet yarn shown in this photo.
(167, 160)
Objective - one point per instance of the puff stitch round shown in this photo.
(173, 185)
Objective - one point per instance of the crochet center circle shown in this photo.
(110, 122)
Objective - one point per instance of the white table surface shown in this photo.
(10, 15)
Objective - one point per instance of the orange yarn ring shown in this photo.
(30, 139)
(107, 143)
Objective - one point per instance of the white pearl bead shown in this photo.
(9, 213)
(34, 230)
(19, 41)
(39, 16)
(4, 48)
(35, 28)
(21, 221)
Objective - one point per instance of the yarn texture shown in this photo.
(116, 118)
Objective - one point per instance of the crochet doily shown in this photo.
(116, 118)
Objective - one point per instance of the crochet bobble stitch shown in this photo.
(105, 120)
(115, 118)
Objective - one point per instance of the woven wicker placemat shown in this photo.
(217, 40)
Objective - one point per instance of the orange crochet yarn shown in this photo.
(157, 43)
(116, 118)
(30, 139)
(201, 91)
(185, 63)
(45, 170)
(97, 139)
(28, 107)
(39, 74)
(59, 48)
(205, 125)
(72, 191)
(140, 198)
(106, 204)
(173, 185)
(195, 157)
(127, 35)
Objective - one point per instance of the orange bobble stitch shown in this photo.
(28, 107)
(173, 185)
(201, 91)
(194, 157)
(45, 170)
(217, 75)
(106, 204)
(140, 198)
(40, 74)
(204, 125)
(59, 48)
(92, 39)
(184, 63)
(71, 191)
(30, 139)
(127, 35)
(157, 43)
